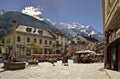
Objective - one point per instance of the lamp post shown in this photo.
(54, 43)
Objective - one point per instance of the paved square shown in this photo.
(48, 71)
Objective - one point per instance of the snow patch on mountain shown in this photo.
(2, 11)
(71, 30)
(92, 33)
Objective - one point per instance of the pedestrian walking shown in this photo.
(52, 60)
(65, 61)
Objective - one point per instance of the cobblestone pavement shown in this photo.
(48, 71)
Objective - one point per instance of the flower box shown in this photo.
(33, 62)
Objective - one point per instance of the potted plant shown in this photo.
(33, 62)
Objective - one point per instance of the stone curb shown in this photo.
(108, 74)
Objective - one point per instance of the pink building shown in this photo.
(72, 48)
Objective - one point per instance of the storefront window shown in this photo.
(114, 54)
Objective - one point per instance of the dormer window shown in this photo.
(40, 32)
(28, 29)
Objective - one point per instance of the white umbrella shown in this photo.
(85, 51)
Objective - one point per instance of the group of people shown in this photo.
(64, 60)
(89, 58)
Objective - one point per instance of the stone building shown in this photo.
(111, 27)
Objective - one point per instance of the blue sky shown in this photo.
(86, 12)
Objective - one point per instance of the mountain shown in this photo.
(71, 30)
(22, 19)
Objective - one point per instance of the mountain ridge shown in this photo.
(75, 28)
(22, 19)
(70, 30)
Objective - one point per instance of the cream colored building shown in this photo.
(111, 27)
(61, 42)
(30, 40)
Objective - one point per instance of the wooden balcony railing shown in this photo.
(114, 35)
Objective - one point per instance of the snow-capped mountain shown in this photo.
(2, 11)
(64, 28)
(71, 30)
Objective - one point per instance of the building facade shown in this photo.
(30, 40)
(61, 43)
(111, 28)
(82, 43)
(100, 48)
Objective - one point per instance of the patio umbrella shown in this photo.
(85, 51)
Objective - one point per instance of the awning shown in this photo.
(86, 51)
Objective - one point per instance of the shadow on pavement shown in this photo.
(2, 69)
(101, 69)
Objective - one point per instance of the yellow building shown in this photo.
(111, 27)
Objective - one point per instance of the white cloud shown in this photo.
(32, 11)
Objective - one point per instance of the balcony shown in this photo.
(114, 35)
(112, 20)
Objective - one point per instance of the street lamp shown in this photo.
(54, 43)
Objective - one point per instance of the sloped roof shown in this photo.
(22, 28)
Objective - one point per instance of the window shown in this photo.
(45, 41)
(8, 40)
(28, 29)
(45, 50)
(40, 32)
(18, 38)
(50, 42)
(28, 39)
(35, 40)
(40, 41)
